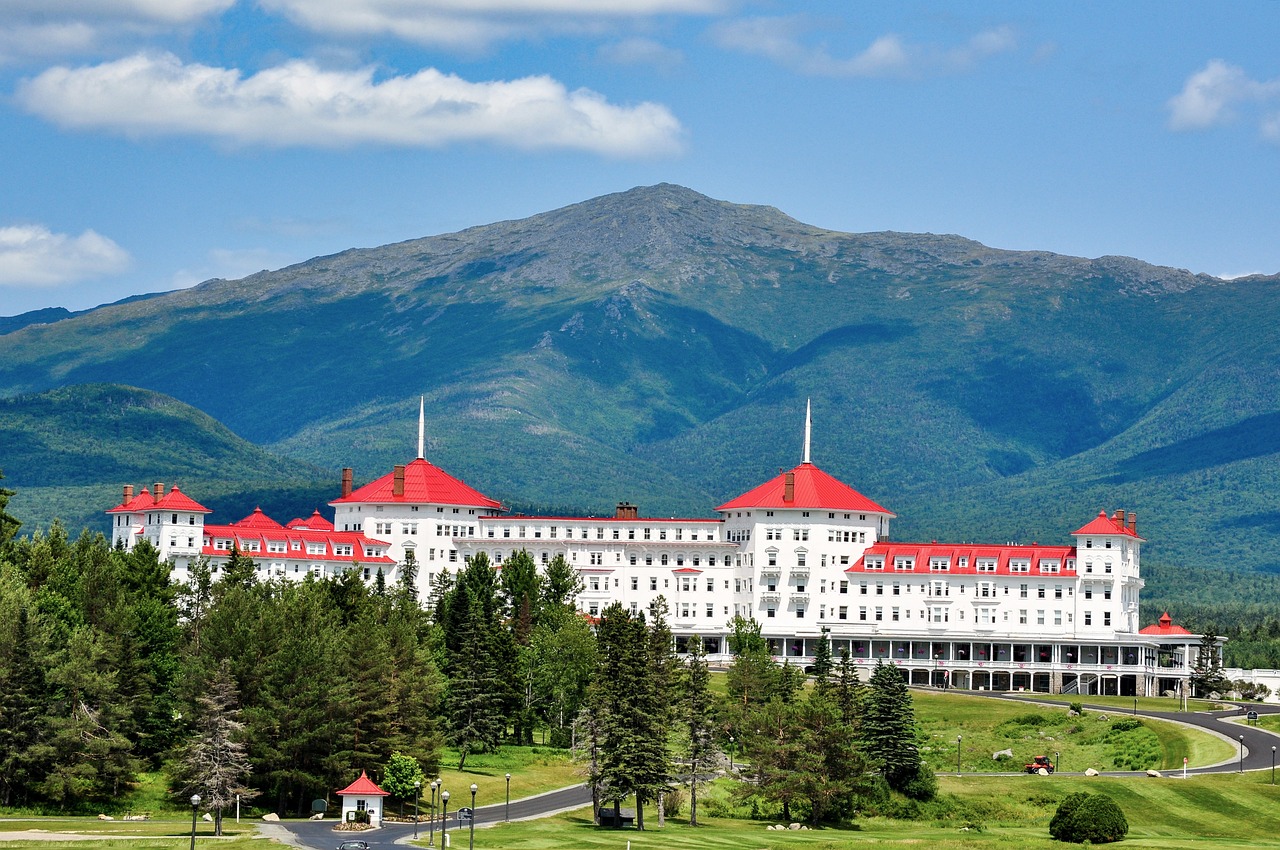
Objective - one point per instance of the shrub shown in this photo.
(1030, 720)
(1126, 724)
(1093, 818)
(922, 786)
(672, 802)
(1078, 708)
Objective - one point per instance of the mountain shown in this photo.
(68, 452)
(657, 345)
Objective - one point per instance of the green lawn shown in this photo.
(1125, 704)
(533, 770)
(1228, 811)
(161, 833)
(1096, 739)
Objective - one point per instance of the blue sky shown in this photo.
(147, 145)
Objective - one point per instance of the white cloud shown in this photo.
(32, 255)
(470, 23)
(783, 40)
(641, 51)
(1212, 94)
(34, 28)
(231, 264)
(298, 104)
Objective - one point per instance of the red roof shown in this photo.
(258, 519)
(174, 500)
(813, 490)
(139, 503)
(423, 482)
(1102, 524)
(315, 522)
(1164, 626)
(1002, 555)
(363, 786)
(268, 530)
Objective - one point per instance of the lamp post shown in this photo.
(444, 821)
(1273, 765)
(471, 841)
(1056, 760)
(958, 739)
(507, 814)
(431, 822)
(731, 753)
(1135, 706)
(1242, 753)
(195, 804)
(417, 792)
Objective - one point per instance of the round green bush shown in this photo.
(1088, 817)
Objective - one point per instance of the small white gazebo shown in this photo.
(363, 795)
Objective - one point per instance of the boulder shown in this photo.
(105, 817)
(996, 756)
(318, 816)
(1155, 774)
(793, 826)
(271, 817)
(208, 818)
(1091, 772)
(1044, 771)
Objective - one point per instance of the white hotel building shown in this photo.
(803, 554)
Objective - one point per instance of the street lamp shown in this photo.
(1135, 706)
(195, 804)
(444, 821)
(417, 792)
(1056, 760)
(958, 739)
(731, 753)
(507, 814)
(431, 823)
(1242, 753)
(471, 842)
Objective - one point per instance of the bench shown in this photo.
(616, 817)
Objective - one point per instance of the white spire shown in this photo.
(808, 420)
(422, 407)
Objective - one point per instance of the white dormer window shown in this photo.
(939, 565)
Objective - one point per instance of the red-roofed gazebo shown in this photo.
(362, 796)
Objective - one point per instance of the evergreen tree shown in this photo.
(560, 585)
(753, 675)
(521, 588)
(474, 693)
(889, 727)
(8, 524)
(215, 763)
(848, 692)
(697, 705)
(1206, 673)
(823, 665)
(22, 693)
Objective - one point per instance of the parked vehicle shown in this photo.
(354, 845)
(1038, 763)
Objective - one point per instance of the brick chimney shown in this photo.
(346, 482)
(789, 487)
(397, 480)
(128, 494)
(1133, 523)
(1120, 517)
(157, 491)
(626, 510)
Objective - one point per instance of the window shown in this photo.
(894, 614)
(711, 611)
(1088, 618)
(653, 582)
(844, 612)
(711, 584)
(844, 586)
(1106, 618)
(1040, 618)
(1022, 591)
(879, 613)
(862, 612)
(1106, 592)
(1040, 592)
(1088, 591)
(1057, 618)
(635, 582)
(1022, 616)
(770, 611)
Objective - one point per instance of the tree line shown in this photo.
(237, 686)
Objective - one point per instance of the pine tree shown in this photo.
(8, 525)
(848, 692)
(889, 727)
(753, 675)
(697, 706)
(822, 664)
(215, 763)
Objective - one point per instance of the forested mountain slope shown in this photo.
(657, 345)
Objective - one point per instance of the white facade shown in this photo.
(803, 554)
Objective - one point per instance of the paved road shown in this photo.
(1258, 750)
(1258, 747)
(319, 835)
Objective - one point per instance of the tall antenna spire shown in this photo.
(808, 421)
(422, 409)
